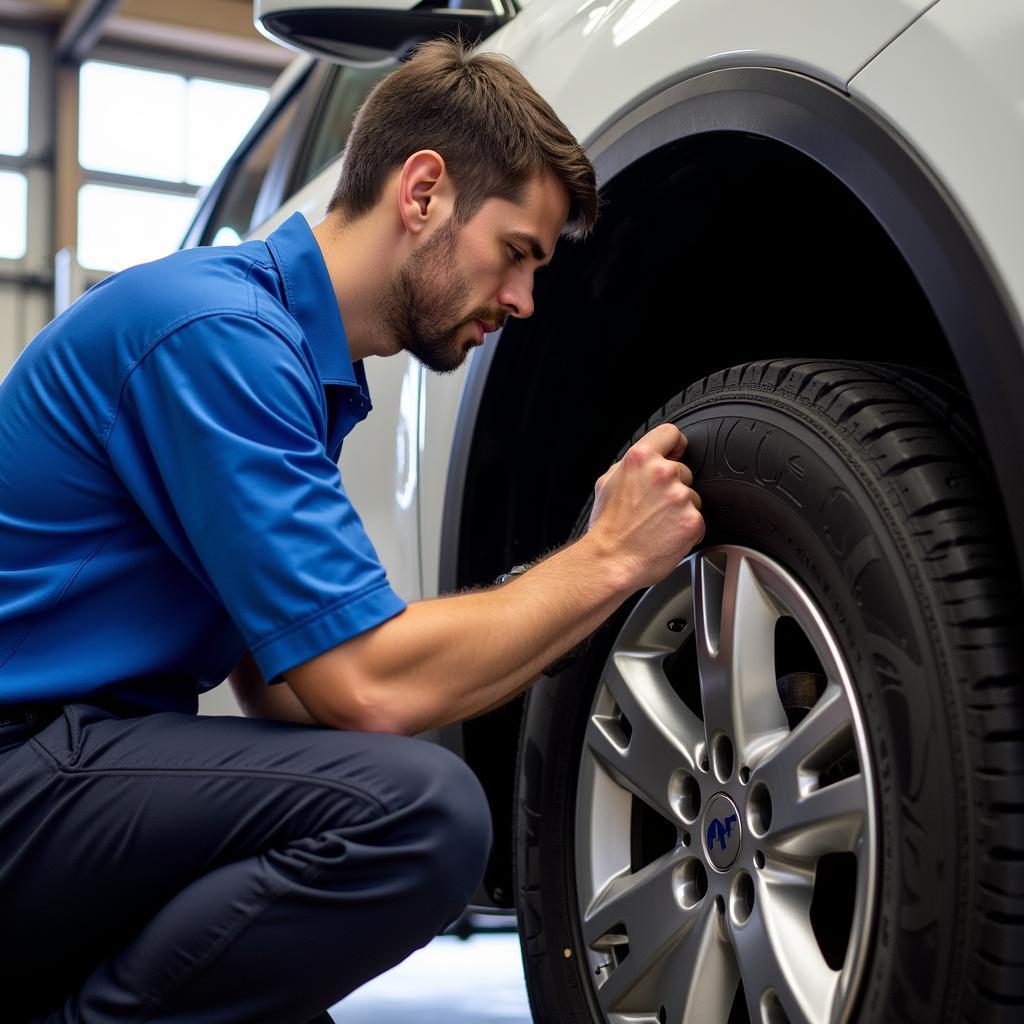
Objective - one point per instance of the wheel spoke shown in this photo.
(824, 726)
(779, 957)
(808, 819)
(712, 662)
(663, 732)
(829, 820)
(735, 631)
(644, 908)
(701, 974)
(750, 642)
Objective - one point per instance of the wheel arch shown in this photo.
(548, 406)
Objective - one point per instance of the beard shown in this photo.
(416, 304)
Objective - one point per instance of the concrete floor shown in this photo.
(450, 981)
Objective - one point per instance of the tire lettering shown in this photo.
(763, 459)
(736, 449)
(775, 457)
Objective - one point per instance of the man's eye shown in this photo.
(517, 256)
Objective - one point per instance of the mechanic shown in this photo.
(172, 511)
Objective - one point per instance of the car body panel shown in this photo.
(953, 87)
(591, 60)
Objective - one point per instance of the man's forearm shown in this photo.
(446, 660)
(451, 658)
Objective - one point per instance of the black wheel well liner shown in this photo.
(846, 246)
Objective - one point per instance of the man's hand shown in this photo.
(645, 508)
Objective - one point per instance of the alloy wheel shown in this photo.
(725, 827)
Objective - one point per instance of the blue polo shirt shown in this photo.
(169, 488)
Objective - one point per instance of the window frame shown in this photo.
(306, 74)
(308, 140)
(275, 188)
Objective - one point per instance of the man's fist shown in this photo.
(645, 509)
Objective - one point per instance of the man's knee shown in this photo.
(456, 824)
(432, 823)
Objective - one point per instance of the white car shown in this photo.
(787, 783)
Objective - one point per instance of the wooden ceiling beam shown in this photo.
(212, 28)
(44, 12)
(218, 29)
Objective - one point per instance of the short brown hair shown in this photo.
(494, 131)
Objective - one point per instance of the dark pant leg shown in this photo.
(213, 870)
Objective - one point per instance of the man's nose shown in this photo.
(516, 299)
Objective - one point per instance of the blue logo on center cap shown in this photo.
(720, 830)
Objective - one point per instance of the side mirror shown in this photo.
(374, 33)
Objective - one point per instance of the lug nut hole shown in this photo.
(684, 795)
(741, 898)
(759, 810)
(771, 1009)
(721, 755)
(691, 883)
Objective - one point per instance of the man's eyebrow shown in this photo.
(536, 249)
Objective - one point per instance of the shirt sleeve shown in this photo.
(219, 436)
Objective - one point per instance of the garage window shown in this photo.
(119, 227)
(14, 108)
(14, 203)
(14, 65)
(148, 141)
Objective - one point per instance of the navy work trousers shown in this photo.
(181, 869)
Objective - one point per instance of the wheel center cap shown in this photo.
(722, 832)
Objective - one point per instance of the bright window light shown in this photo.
(131, 121)
(119, 227)
(226, 236)
(219, 114)
(156, 125)
(13, 215)
(14, 105)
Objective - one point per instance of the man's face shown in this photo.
(460, 283)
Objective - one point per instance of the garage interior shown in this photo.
(848, 297)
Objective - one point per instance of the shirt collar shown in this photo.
(309, 296)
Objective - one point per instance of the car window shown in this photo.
(332, 121)
(232, 216)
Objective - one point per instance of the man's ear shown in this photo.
(424, 191)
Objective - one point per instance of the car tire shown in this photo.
(853, 502)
